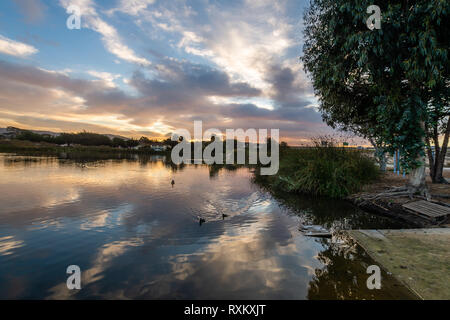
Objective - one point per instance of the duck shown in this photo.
(201, 221)
(224, 216)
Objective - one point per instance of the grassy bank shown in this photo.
(322, 170)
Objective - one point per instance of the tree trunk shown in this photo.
(439, 165)
(380, 155)
(437, 162)
(417, 183)
(383, 161)
(429, 153)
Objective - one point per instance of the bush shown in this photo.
(324, 170)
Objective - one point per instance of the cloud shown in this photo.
(33, 10)
(289, 86)
(55, 92)
(172, 96)
(244, 40)
(14, 48)
(250, 41)
(232, 66)
(106, 77)
(180, 83)
(110, 36)
(251, 111)
(132, 7)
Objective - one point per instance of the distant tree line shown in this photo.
(94, 139)
(82, 138)
(168, 142)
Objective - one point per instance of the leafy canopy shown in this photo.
(387, 84)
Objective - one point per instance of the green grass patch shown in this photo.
(322, 171)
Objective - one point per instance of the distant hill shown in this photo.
(8, 130)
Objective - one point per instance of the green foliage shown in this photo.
(33, 137)
(131, 143)
(324, 171)
(117, 142)
(88, 139)
(388, 84)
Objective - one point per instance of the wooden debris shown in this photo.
(429, 210)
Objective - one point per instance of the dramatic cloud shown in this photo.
(184, 83)
(251, 41)
(14, 48)
(244, 40)
(232, 65)
(179, 96)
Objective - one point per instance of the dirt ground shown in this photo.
(389, 180)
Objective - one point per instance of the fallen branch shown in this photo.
(387, 194)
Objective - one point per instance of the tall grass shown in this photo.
(324, 171)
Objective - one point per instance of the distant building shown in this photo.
(154, 146)
(158, 148)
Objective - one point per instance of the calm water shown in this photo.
(135, 236)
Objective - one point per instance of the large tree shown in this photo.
(391, 84)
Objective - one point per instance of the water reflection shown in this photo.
(341, 278)
(134, 235)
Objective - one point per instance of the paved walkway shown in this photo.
(419, 258)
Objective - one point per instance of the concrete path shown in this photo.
(419, 258)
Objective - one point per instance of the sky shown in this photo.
(148, 67)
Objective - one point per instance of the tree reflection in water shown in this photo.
(344, 275)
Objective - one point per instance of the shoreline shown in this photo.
(12, 146)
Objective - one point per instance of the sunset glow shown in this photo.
(154, 66)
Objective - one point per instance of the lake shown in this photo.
(135, 236)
